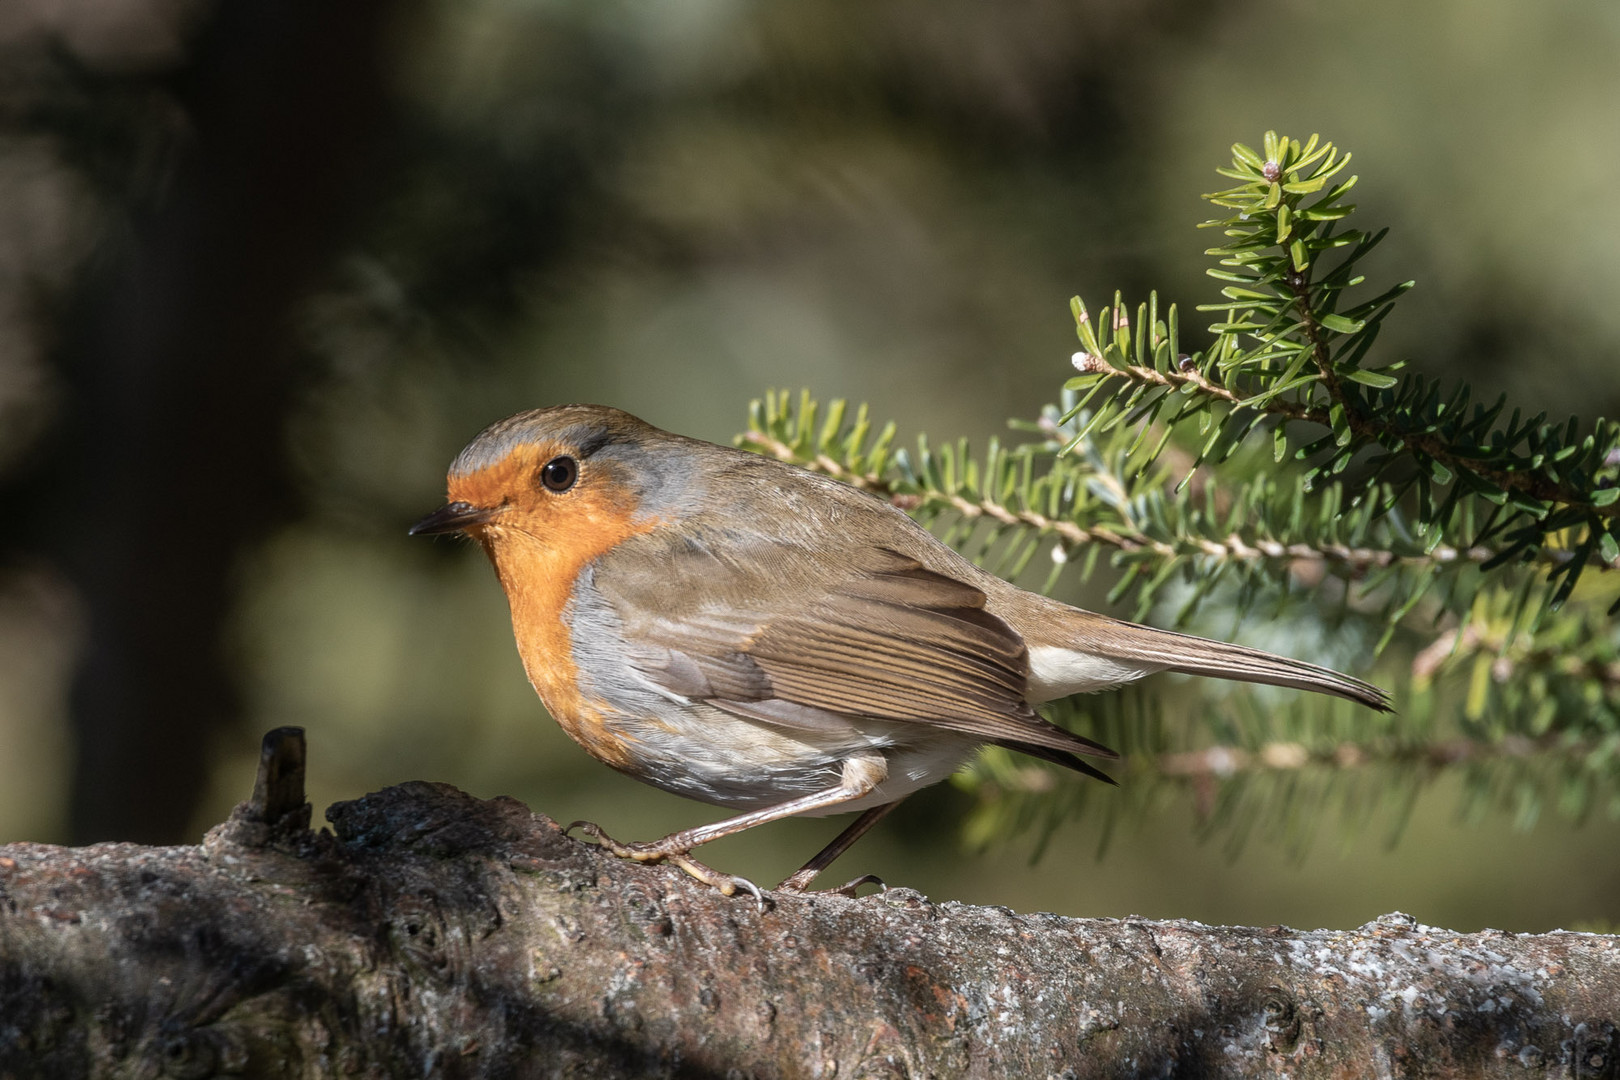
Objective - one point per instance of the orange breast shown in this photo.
(538, 548)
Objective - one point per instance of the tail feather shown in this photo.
(1061, 757)
(1145, 649)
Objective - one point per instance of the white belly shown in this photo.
(708, 754)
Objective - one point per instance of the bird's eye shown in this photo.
(559, 473)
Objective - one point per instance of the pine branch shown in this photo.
(1189, 380)
(1224, 761)
(1355, 561)
(1422, 519)
(1286, 351)
(1522, 475)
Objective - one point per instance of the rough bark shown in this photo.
(434, 934)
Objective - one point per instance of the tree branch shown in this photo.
(1355, 561)
(437, 934)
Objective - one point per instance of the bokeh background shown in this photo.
(266, 265)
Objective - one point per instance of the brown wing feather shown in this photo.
(875, 635)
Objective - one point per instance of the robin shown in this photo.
(741, 631)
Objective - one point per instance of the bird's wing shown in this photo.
(770, 632)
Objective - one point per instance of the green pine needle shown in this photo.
(1285, 472)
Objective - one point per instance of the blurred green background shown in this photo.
(265, 267)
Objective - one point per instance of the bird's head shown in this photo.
(564, 476)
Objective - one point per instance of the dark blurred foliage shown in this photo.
(176, 375)
(264, 267)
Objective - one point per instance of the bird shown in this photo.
(741, 631)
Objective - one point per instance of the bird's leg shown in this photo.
(801, 878)
(861, 776)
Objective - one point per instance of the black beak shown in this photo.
(454, 517)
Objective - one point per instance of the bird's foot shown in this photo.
(662, 851)
(800, 883)
(728, 884)
(648, 853)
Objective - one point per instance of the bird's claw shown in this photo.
(800, 883)
(850, 888)
(726, 884)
